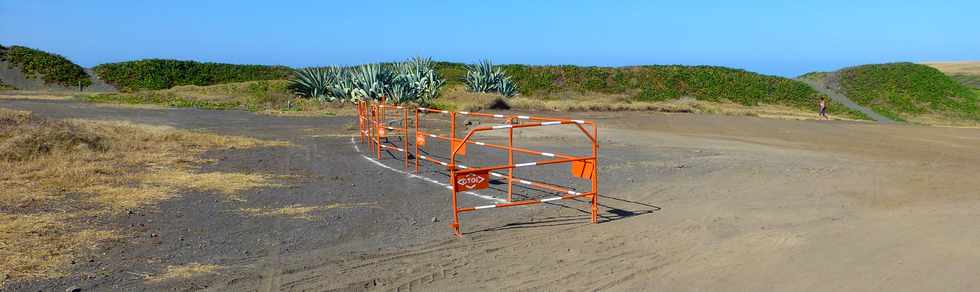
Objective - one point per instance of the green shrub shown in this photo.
(154, 74)
(907, 89)
(657, 83)
(52, 68)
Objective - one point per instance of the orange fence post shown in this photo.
(510, 161)
(405, 136)
(452, 171)
(417, 136)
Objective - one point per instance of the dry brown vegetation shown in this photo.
(301, 211)
(57, 175)
(964, 67)
(460, 99)
(183, 272)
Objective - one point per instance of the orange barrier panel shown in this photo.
(374, 127)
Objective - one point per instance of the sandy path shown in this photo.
(838, 97)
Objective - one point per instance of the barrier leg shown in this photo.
(405, 136)
(417, 142)
(452, 172)
(595, 174)
(510, 161)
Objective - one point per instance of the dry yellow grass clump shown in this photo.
(56, 173)
(183, 272)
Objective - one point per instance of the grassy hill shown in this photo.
(909, 91)
(625, 87)
(38, 64)
(156, 74)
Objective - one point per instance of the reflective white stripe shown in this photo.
(579, 121)
(358, 149)
(443, 163)
(550, 199)
(433, 136)
(496, 174)
(526, 182)
(445, 112)
(422, 156)
(462, 166)
(423, 109)
(392, 147)
(548, 154)
(464, 113)
(498, 116)
(398, 107)
(524, 117)
(525, 164)
(480, 143)
(573, 193)
(485, 207)
(550, 123)
(502, 126)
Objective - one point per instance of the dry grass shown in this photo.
(961, 67)
(300, 211)
(571, 102)
(183, 272)
(58, 173)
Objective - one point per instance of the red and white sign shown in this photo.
(420, 139)
(472, 181)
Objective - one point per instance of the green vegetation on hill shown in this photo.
(52, 68)
(154, 74)
(652, 83)
(256, 96)
(906, 90)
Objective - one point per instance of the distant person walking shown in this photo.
(823, 108)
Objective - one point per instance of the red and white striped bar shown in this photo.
(525, 202)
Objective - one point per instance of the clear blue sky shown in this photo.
(774, 37)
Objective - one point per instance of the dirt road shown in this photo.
(690, 202)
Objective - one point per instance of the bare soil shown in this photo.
(689, 202)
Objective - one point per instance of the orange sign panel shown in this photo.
(472, 181)
(382, 132)
(583, 168)
(462, 150)
(420, 139)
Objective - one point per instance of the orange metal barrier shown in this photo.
(374, 127)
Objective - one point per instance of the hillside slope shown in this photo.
(32, 69)
(908, 91)
(155, 74)
(654, 83)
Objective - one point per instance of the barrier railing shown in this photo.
(374, 127)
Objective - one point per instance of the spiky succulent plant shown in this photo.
(485, 77)
(412, 81)
(313, 83)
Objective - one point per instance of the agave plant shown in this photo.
(506, 87)
(312, 82)
(485, 77)
(412, 81)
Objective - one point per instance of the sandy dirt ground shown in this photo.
(689, 203)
